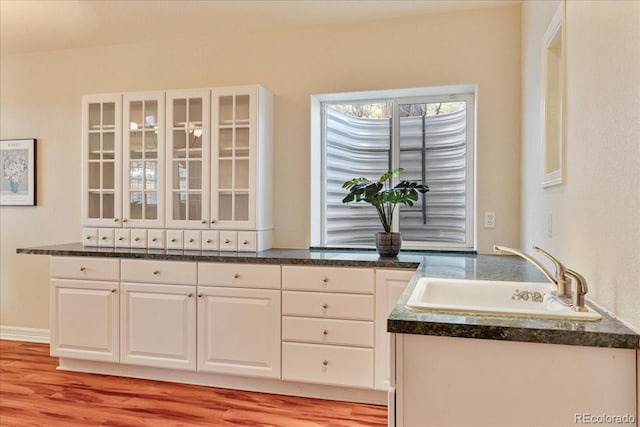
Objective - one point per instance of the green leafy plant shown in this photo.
(382, 196)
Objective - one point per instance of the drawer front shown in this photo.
(328, 279)
(192, 239)
(123, 238)
(155, 239)
(228, 241)
(138, 238)
(327, 364)
(90, 236)
(239, 275)
(85, 268)
(170, 272)
(106, 237)
(247, 241)
(327, 331)
(327, 305)
(210, 240)
(174, 239)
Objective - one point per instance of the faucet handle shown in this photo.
(581, 290)
(561, 271)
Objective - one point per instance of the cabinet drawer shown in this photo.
(228, 241)
(328, 331)
(106, 237)
(239, 275)
(123, 238)
(247, 241)
(90, 236)
(329, 279)
(170, 272)
(321, 304)
(138, 239)
(327, 364)
(85, 268)
(192, 240)
(155, 239)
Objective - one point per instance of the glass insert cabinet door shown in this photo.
(143, 160)
(102, 153)
(188, 158)
(234, 126)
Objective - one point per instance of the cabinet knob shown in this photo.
(155, 239)
(325, 306)
(173, 240)
(113, 290)
(121, 238)
(245, 242)
(124, 219)
(156, 272)
(235, 276)
(189, 295)
(115, 220)
(200, 295)
(204, 221)
(83, 269)
(137, 239)
(325, 332)
(104, 237)
(208, 240)
(88, 237)
(325, 363)
(325, 280)
(191, 240)
(213, 221)
(227, 241)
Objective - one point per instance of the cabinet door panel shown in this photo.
(158, 325)
(239, 331)
(84, 320)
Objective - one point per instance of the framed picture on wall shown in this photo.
(18, 172)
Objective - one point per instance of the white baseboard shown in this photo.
(17, 333)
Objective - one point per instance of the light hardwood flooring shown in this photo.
(34, 393)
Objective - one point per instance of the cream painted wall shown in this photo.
(596, 213)
(41, 96)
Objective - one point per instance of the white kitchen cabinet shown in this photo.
(158, 325)
(328, 324)
(389, 286)
(239, 331)
(188, 158)
(143, 160)
(84, 308)
(241, 156)
(505, 383)
(102, 160)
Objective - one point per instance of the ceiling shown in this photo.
(44, 25)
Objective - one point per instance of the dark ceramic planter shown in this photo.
(388, 244)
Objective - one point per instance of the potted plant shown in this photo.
(384, 198)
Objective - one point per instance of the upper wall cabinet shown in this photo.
(188, 158)
(102, 160)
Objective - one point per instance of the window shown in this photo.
(429, 132)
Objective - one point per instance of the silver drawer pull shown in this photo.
(104, 237)
(325, 280)
(113, 290)
(156, 272)
(204, 221)
(325, 363)
(89, 237)
(208, 240)
(236, 276)
(325, 306)
(191, 240)
(189, 295)
(83, 268)
(325, 332)
(213, 221)
(115, 219)
(200, 295)
(137, 239)
(124, 220)
(121, 238)
(155, 239)
(173, 240)
(227, 241)
(245, 242)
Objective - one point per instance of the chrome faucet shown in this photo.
(562, 276)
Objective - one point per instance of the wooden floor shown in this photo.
(33, 393)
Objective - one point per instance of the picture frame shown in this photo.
(18, 172)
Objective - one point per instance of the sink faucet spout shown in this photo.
(503, 249)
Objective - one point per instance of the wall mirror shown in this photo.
(553, 100)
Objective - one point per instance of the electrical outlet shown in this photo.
(489, 220)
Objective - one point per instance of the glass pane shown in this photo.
(151, 205)
(108, 207)
(151, 175)
(242, 207)
(195, 110)
(179, 175)
(179, 205)
(135, 205)
(94, 205)
(225, 203)
(151, 113)
(94, 116)
(225, 108)
(195, 206)
(242, 142)
(135, 115)
(242, 108)
(179, 113)
(94, 146)
(109, 114)
(195, 139)
(179, 144)
(135, 145)
(108, 141)
(225, 142)
(94, 175)
(242, 174)
(151, 144)
(195, 174)
(135, 175)
(224, 174)
(108, 175)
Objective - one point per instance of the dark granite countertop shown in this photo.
(608, 332)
